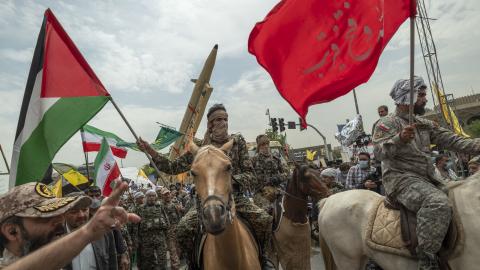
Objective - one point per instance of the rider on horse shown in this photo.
(243, 178)
(408, 172)
(270, 173)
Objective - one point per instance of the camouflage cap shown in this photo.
(35, 200)
(164, 191)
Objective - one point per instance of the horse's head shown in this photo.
(212, 173)
(308, 181)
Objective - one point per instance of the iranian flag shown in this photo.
(92, 139)
(106, 168)
(62, 95)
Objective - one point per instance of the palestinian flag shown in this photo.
(92, 139)
(62, 94)
(106, 168)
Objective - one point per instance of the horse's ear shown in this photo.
(192, 147)
(227, 146)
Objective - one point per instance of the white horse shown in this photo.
(344, 217)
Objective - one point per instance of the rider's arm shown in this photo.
(180, 165)
(451, 141)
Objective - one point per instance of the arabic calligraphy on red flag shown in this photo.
(318, 50)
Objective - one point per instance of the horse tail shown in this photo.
(328, 260)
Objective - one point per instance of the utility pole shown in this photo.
(268, 114)
(327, 151)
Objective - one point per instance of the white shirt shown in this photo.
(86, 259)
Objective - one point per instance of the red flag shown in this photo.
(319, 50)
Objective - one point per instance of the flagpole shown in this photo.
(412, 58)
(86, 163)
(5, 159)
(136, 139)
(356, 102)
(85, 155)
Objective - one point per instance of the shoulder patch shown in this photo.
(378, 134)
(383, 127)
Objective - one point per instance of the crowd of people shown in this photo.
(165, 217)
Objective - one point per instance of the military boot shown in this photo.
(427, 261)
(267, 264)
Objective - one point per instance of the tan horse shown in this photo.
(293, 237)
(343, 221)
(229, 244)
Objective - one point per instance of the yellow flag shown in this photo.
(311, 155)
(57, 188)
(75, 178)
(142, 173)
(447, 112)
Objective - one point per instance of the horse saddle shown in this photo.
(392, 228)
(201, 236)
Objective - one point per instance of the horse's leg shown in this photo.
(342, 222)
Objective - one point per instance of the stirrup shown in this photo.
(267, 264)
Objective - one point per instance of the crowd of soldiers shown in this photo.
(169, 218)
(160, 209)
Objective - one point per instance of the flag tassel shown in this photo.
(136, 139)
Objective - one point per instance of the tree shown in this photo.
(473, 129)
(274, 136)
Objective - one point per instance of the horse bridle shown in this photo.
(293, 196)
(228, 207)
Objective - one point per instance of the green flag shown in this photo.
(165, 137)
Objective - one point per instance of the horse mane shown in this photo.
(210, 149)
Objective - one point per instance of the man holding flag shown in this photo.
(408, 173)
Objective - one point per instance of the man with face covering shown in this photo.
(408, 172)
(243, 180)
(269, 171)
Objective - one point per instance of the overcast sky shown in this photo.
(146, 52)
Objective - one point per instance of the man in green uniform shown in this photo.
(408, 171)
(173, 211)
(151, 235)
(270, 174)
(243, 181)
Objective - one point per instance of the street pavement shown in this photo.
(316, 259)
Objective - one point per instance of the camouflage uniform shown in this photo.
(173, 216)
(270, 174)
(336, 187)
(243, 181)
(151, 238)
(133, 231)
(409, 174)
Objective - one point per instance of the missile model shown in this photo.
(196, 106)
